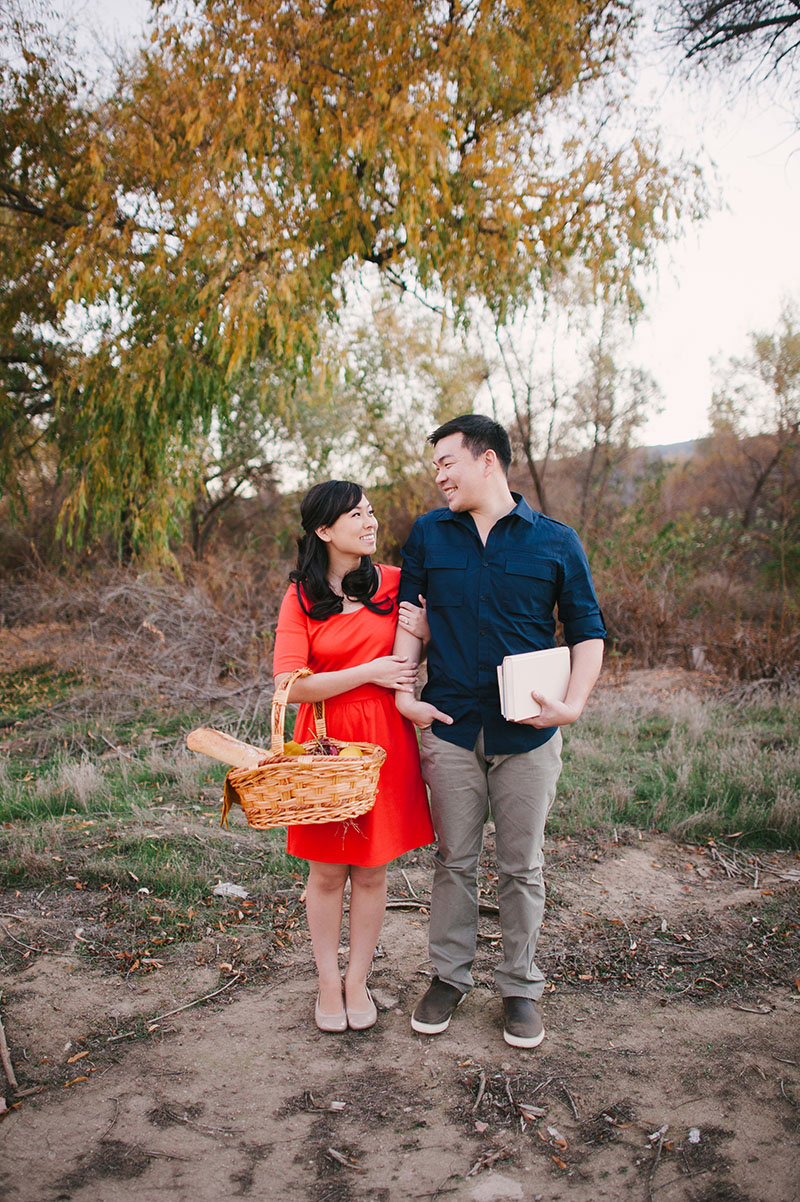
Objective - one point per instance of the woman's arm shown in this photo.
(396, 672)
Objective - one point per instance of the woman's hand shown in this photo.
(414, 619)
(394, 672)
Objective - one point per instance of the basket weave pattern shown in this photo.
(304, 789)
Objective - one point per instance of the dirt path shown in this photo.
(670, 1071)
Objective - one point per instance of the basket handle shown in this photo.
(279, 703)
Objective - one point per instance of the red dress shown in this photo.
(400, 819)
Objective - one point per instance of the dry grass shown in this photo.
(138, 638)
(692, 765)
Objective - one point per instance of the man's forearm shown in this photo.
(587, 660)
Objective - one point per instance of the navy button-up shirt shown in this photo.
(485, 602)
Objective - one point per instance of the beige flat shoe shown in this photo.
(361, 1020)
(333, 1024)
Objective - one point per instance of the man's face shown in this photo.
(462, 478)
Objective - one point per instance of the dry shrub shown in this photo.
(176, 640)
(641, 618)
(766, 653)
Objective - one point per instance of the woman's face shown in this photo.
(354, 532)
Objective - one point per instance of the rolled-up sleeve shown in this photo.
(578, 608)
(413, 580)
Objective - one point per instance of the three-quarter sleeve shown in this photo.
(578, 608)
(412, 576)
(292, 642)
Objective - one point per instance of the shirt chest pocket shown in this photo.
(531, 585)
(446, 573)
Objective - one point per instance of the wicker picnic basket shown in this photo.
(304, 789)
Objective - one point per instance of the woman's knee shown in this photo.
(371, 879)
(327, 878)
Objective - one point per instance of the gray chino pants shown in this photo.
(520, 790)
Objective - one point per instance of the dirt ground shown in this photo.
(670, 1070)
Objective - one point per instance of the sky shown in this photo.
(724, 279)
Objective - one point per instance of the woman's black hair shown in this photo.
(321, 506)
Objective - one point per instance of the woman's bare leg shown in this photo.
(367, 908)
(324, 894)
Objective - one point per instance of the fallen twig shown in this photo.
(117, 750)
(160, 1017)
(210, 1131)
(411, 888)
(113, 1121)
(481, 1091)
(161, 1155)
(169, 1013)
(542, 1085)
(45, 951)
(341, 1159)
(571, 1100)
(5, 1058)
(661, 1133)
(488, 1159)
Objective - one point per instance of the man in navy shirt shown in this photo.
(493, 574)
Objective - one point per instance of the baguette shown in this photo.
(220, 746)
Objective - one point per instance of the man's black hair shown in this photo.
(480, 434)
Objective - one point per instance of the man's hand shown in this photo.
(552, 713)
(587, 659)
(414, 619)
(421, 713)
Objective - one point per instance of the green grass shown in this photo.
(698, 768)
(114, 802)
(31, 690)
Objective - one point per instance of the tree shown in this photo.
(611, 403)
(758, 398)
(765, 33)
(531, 383)
(754, 453)
(45, 134)
(559, 368)
(258, 153)
(384, 378)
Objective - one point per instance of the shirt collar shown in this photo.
(521, 509)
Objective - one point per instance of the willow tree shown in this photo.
(46, 130)
(260, 153)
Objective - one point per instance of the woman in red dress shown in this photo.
(338, 618)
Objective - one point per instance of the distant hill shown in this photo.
(672, 450)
